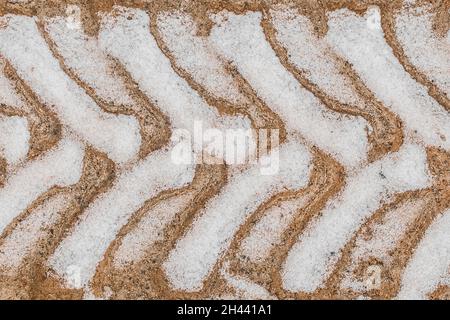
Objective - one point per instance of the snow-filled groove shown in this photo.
(106, 193)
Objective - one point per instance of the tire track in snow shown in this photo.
(78, 54)
(430, 261)
(182, 41)
(195, 255)
(269, 249)
(216, 81)
(240, 38)
(44, 126)
(57, 168)
(14, 137)
(126, 194)
(361, 41)
(164, 219)
(393, 233)
(438, 91)
(310, 261)
(43, 225)
(118, 136)
(318, 69)
(230, 272)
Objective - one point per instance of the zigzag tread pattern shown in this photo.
(92, 204)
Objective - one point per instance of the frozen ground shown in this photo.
(358, 206)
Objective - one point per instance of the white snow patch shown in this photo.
(59, 167)
(14, 139)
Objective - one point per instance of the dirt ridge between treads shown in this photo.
(350, 97)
